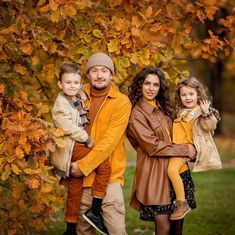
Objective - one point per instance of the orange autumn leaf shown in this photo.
(33, 183)
(26, 48)
(37, 208)
(2, 88)
(20, 69)
(19, 152)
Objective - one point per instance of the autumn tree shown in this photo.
(37, 35)
(28, 190)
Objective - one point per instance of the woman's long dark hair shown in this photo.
(135, 89)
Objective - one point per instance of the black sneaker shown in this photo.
(96, 221)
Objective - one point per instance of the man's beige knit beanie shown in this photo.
(100, 59)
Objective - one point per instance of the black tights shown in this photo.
(177, 227)
(163, 226)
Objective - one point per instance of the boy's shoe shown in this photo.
(181, 209)
(96, 221)
(71, 229)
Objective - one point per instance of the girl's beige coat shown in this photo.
(207, 154)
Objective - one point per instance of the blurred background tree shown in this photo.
(182, 37)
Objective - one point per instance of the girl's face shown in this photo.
(70, 84)
(151, 87)
(188, 97)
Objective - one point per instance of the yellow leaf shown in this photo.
(46, 188)
(30, 171)
(58, 132)
(42, 108)
(11, 159)
(55, 16)
(68, 11)
(113, 45)
(97, 33)
(22, 139)
(60, 142)
(19, 152)
(53, 5)
(15, 169)
(134, 58)
(20, 69)
(149, 11)
(6, 173)
(27, 147)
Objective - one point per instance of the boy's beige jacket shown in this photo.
(207, 154)
(66, 117)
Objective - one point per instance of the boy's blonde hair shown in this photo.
(202, 91)
(68, 67)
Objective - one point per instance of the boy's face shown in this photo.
(70, 84)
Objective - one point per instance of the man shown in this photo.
(109, 112)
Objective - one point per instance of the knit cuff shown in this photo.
(88, 141)
(207, 115)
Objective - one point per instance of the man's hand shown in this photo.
(91, 144)
(75, 170)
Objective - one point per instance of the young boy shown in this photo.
(69, 114)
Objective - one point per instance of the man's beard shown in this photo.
(100, 88)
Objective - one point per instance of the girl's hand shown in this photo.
(205, 104)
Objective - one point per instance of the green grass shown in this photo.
(215, 212)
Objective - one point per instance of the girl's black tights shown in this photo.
(162, 224)
(176, 227)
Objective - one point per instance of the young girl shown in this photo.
(195, 124)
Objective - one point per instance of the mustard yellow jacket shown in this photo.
(108, 132)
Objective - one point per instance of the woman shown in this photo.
(149, 132)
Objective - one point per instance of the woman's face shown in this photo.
(151, 87)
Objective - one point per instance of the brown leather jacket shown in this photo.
(148, 135)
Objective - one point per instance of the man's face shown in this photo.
(99, 77)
